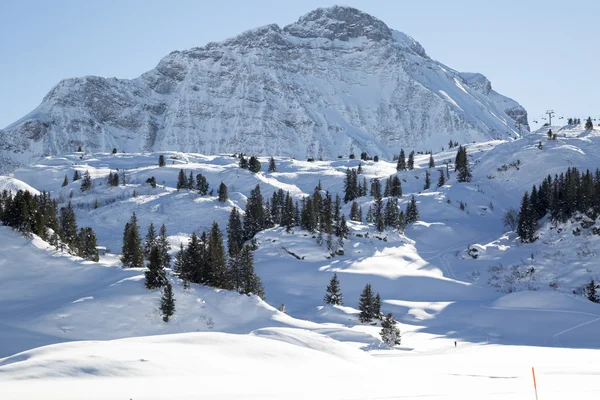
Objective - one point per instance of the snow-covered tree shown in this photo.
(333, 293)
(366, 304)
(167, 303)
(390, 334)
(155, 274)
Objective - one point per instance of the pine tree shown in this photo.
(354, 212)
(161, 160)
(223, 196)
(591, 293)
(427, 181)
(272, 166)
(462, 165)
(190, 181)
(378, 214)
(431, 162)
(150, 241)
(164, 246)
(401, 165)
(254, 165)
(156, 276)
(412, 213)
(333, 293)
(330, 244)
(589, 125)
(359, 170)
(86, 244)
(527, 223)
(254, 220)
(390, 334)
(410, 164)
(202, 184)
(181, 180)
(342, 228)
(235, 232)
(365, 305)
(216, 267)
(167, 303)
(442, 179)
(243, 162)
(65, 181)
(76, 176)
(114, 150)
(68, 226)
(396, 187)
(132, 254)
(401, 224)
(377, 307)
(251, 281)
(86, 183)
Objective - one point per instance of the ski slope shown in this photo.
(104, 337)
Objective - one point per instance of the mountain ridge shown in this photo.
(335, 82)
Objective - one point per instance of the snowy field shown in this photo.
(73, 329)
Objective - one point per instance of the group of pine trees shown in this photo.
(463, 170)
(252, 164)
(403, 164)
(370, 309)
(574, 121)
(39, 215)
(561, 197)
(199, 183)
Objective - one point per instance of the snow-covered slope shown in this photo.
(426, 276)
(336, 82)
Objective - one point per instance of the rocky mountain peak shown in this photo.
(341, 23)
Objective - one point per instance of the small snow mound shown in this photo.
(14, 185)
(312, 340)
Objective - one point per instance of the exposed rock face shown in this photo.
(335, 82)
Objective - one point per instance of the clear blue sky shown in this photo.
(544, 54)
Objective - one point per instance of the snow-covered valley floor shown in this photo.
(72, 329)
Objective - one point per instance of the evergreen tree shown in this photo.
(114, 150)
(359, 170)
(235, 232)
(76, 176)
(401, 165)
(396, 187)
(216, 267)
(330, 244)
(164, 246)
(68, 226)
(390, 334)
(254, 165)
(376, 189)
(223, 196)
(376, 158)
(378, 215)
(252, 283)
(132, 253)
(167, 303)
(365, 305)
(179, 263)
(342, 228)
(431, 162)
(150, 241)
(591, 293)
(181, 180)
(527, 223)
(194, 260)
(254, 220)
(161, 160)
(333, 293)
(86, 244)
(354, 212)
(412, 213)
(462, 165)
(272, 166)
(410, 164)
(86, 183)
(377, 307)
(427, 181)
(190, 181)
(202, 184)
(442, 179)
(156, 276)
(401, 224)
(65, 181)
(243, 162)
(589, 125)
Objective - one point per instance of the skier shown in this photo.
(455, 344)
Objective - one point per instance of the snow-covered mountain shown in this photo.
(338, 81)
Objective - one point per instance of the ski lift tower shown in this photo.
(550, 114)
